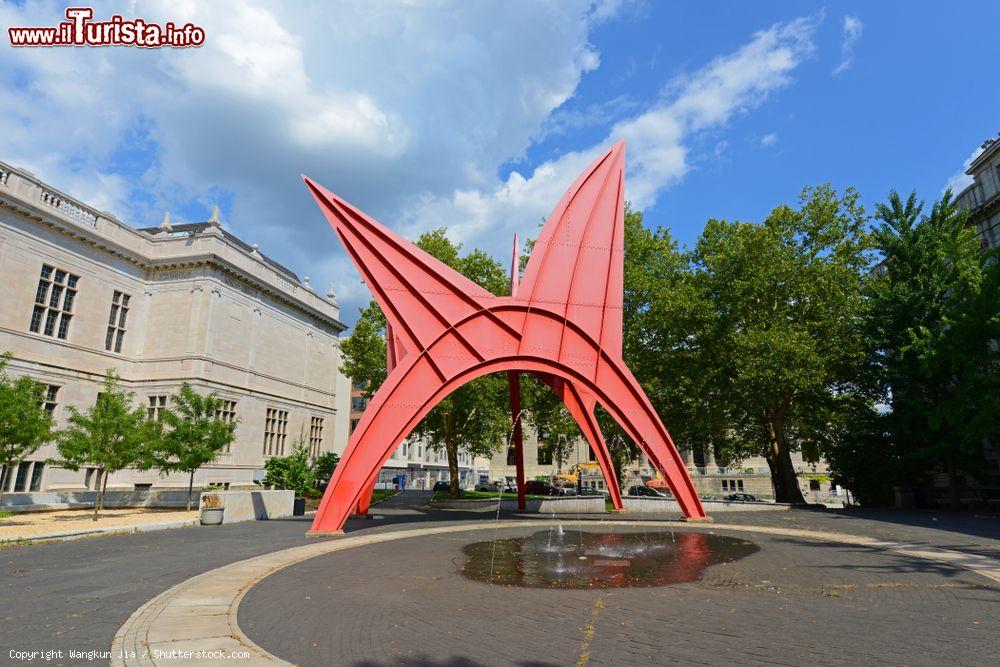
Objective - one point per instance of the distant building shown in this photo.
(710, 479)
(982, 197)
(83, 293)
(418, 465)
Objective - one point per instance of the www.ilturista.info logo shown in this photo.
(79, 30)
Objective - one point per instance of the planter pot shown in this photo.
(299, 507)
(211, 516)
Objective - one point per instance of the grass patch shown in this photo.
(378, 495)
(6, 515)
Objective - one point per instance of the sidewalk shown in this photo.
(66, 524)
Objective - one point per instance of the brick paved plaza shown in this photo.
(403, 601)
(794, 602)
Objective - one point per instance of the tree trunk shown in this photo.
(956, 502)
(779, 460)
(451, 447)
(190, 487)
(102, 484)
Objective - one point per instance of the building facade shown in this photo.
(711, 479)
(84, 293)
(982, 196)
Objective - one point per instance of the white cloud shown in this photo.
(851, 33)
(408, 112)
(657, 150)
(769, 139)
(960, 180)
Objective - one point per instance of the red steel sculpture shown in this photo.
(562, 323)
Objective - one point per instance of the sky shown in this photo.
(476, 116)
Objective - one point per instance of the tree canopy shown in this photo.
(191, 434)
(24, 422)
(111, 435)
(935, 320)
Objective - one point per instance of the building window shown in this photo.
(354, 424)
(544, 456)
(275, 430)
(358, 403)
(36, 476)
(227, 414)
(156, 407)
(53, 302)
(21, 480)
(50, 402)
(315, 435)
(116, 321)
(739, 483)
(591, 454)
(511, 456)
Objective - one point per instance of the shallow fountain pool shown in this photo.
(579, 559)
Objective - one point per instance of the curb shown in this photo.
(200, 614)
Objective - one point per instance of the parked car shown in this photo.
(534, 487)
(644, 491)
(442, 486)
(587, 491)
(741, 497)
(495, 487)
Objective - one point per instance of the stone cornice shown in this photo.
(22, 193)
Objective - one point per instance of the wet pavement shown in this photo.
(558, 558)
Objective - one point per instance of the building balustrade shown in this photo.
(74, 210)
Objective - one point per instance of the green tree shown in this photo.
(475, 417)
(24, 422)
(934, 323)
(323, 467)
(782, 343)
(113, 434)
(192, 434)
(293, 472)
(665, 317)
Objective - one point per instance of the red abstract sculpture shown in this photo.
(563, 323)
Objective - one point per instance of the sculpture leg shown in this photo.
(580, 404)
(583, 410)
(365, 500)
(409, 392)
(633, 411)
(517, 435)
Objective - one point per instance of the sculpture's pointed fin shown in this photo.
(515, 268)
(420, 295)
(576, 266)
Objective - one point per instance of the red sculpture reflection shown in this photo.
(564, 324)
(580, 559)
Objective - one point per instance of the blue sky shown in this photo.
(477, 117)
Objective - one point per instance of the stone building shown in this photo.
(83, 293)
(711, 479)
(982, 196)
